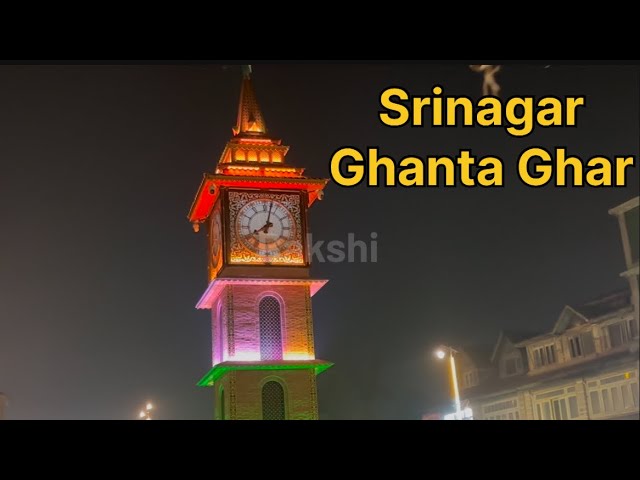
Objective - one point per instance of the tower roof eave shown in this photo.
(219, 370)
(210, 189)
(216, 287)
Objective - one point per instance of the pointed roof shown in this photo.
(569, 317)
(593, 311)
(509, 336)
(252, 159)
(250, 120)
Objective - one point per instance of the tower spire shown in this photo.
(250, 120)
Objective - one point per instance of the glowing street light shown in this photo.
(146, 413)
(441, 353)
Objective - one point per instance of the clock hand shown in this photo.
(264, 229)
(269, 224)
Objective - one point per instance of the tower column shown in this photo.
(254, 207)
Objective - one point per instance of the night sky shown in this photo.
(100, 270)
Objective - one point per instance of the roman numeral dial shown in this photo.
(265, 226)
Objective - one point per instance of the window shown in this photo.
(559, 404)
(573, 407)
(551, 353)
(504, 410)
(558, 409)
(615, 397)
(633, 329)
(617, 334)
(595, 402)
(618, 394)
(270, 329)
(626, 396)
(537, 356)
(273, 401)
(544, 356)
(581, 345)
(471, 378)
(588, 345)
(605, 401)
(512, 366)
(219, 327)
(575, 346)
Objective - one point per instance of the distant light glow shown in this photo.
(466, 414)
(440, 354)
(146, 413)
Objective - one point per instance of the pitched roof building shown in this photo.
(585, 368)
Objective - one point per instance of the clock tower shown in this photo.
(254, 209)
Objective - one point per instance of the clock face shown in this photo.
(215, 240)
(266, 228)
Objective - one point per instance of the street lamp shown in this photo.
(441, 353)
(146, 413)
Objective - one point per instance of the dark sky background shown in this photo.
(100, 270)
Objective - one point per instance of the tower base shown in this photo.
(265, 391)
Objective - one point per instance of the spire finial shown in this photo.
(250, 120)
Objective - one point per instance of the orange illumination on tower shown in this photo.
(254, 206)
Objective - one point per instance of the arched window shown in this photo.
(221, 405)
(272, 401)
(270, 329)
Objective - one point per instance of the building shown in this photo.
(584, 368)
(628, 216)
(254, 206)
(3, 404)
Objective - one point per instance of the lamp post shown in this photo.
(146, 413)
(441, 353)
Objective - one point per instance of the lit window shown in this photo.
(270, 329)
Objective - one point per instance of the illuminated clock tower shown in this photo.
(254, 209)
